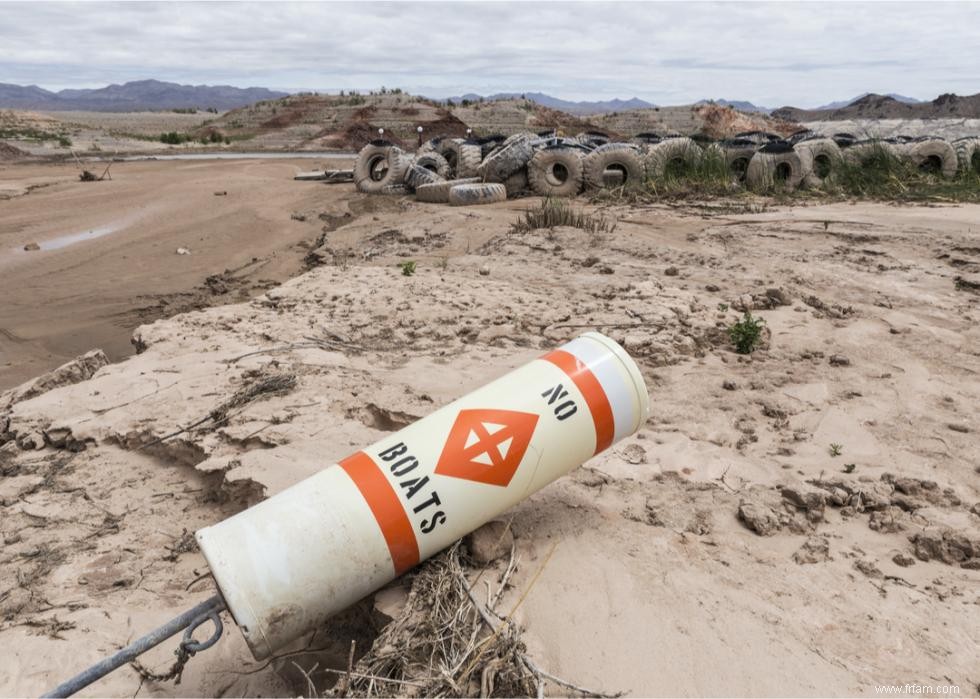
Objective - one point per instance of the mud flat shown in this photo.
(800, 521)
(107, 259)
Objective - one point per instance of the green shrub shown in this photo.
(407, 267)
(746, 333)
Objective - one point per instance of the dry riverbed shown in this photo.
(801, 521)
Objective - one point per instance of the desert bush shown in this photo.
(746, 333)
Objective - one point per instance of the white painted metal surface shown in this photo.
(287, 564)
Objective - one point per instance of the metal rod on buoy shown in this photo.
(191, 619)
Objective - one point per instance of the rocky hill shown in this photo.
(887, 107)
(316, 122)
(140, 95)
(712, 120)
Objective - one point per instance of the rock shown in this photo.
(871, 496)
(30, 440)
(729, 385)
(79, 369)
(712, 287)
(58, 437)
(958, 428)
(810, 500)
(183, 251)
(671, 271)
(760, 518)
(976, 509)
(944, 544)
(485, 271)
(605, 269)
(901, 559)
(743, 303)
(779, 297)
(839, 360)
(491, 541)
(635, 454)
(590, 261)
(31, 247)
(887, 521)
(816, 549)
(868, 568)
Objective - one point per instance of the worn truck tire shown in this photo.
(737, 154)
(774, 169)
(513, 154)
(417, 175)
(820, 159)
(932, 155)
(968, 154)
(463, 156)
(555, 172)
(438, 192)
(861, 152)
(378, 166)
(395, 189)
(614, 157)
(474, 194)
(433, 161)
(671, 154)
(516, 184)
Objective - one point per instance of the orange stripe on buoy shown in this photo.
(387, 509)
(595, 397)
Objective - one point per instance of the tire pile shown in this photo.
(464, 172)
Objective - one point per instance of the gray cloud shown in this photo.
(770, 53)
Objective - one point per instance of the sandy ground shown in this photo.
(724, 550)
(108, 257)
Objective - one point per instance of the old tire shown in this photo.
(378, 166)
(555, 172)
(475, 194)
(774, 169)
(517, 184)
(670, 156)
(395, 189)
(932, 155)
(463, 156)
(820, 159)
(737, 154)
(614, 157)
(865, 152)
(513, 154)
(433, 161)
(417, 175)
(438, 192)
(968, 155)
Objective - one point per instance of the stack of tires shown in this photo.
(464, 172)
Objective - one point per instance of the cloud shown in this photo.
(770, 53)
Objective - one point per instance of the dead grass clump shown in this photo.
(446, 643)
(555, 212)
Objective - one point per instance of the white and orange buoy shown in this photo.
(287, 564)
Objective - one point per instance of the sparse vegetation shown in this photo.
(836, 449)
(407, 267)
(174, 138)
(746, 333)
(556, 212)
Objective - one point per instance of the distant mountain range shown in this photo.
(873, 106)
(845, 103)
(135, 96)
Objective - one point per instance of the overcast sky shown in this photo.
(772, 54)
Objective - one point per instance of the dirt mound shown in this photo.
(712, 120)
(9, 152)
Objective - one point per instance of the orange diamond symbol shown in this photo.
(486, 446)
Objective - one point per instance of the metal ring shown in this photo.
(192, 646)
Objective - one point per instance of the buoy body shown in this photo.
(287, 564)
